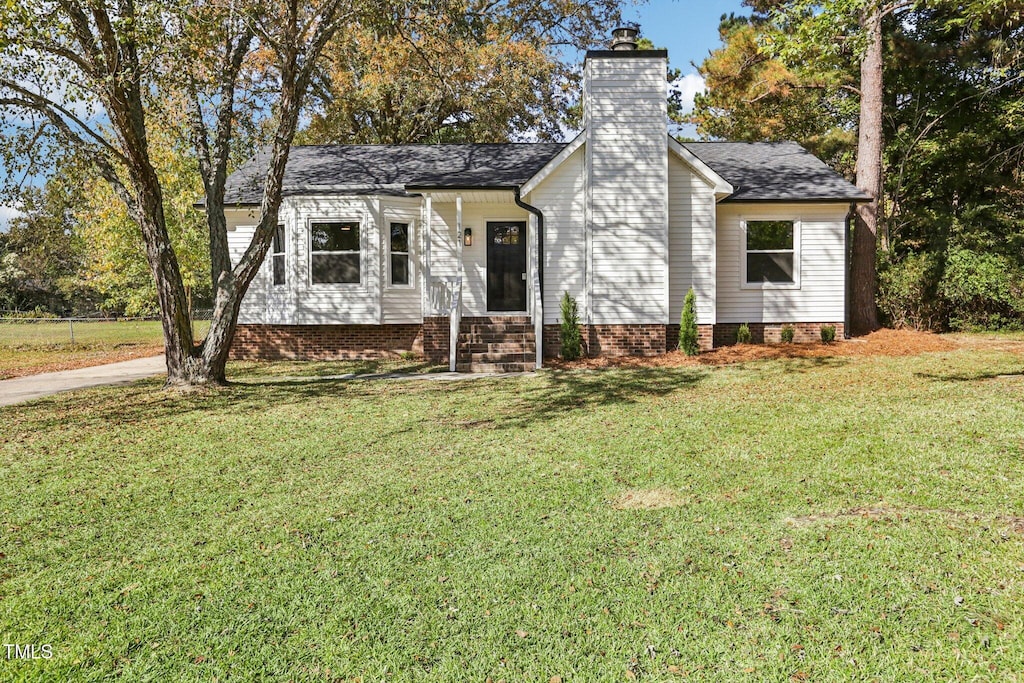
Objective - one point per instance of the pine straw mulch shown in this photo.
(880, 343)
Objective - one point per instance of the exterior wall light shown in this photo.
(467, 237)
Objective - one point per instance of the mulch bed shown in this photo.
(880, 343)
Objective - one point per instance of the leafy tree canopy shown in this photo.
(452, 71)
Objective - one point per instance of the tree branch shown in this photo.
(58, 115)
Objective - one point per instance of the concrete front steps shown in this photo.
(496, 344)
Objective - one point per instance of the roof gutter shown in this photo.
(458, 188)
(540, 255)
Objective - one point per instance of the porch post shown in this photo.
(458, 232)
(428, 305)
(535, 294)
(456, 312)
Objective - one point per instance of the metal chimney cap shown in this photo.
(624, 37)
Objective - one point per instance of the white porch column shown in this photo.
(428, 305)
(535, 294)
(458, 232)
(456, 312)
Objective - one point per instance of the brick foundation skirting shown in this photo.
(339, 342)
(705, 337)
(436, 336)
(326, 342)
(771, 333)
(612, 340)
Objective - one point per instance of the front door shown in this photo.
(506, 266)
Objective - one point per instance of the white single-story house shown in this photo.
(462, 252)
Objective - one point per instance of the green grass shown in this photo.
(837, 519)
(31, 346)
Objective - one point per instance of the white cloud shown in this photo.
(6, 214)
(689, 86)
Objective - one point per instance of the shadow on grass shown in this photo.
(560, 391)
(504, 403)
(759, 369)
(510, 402)
(970, 376)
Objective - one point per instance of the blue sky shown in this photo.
(688, 29)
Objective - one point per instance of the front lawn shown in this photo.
(853, 518)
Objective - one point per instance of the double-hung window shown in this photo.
(771, 256)
(335, 252)
(277, 255)
(399, 250)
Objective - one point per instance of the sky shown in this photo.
(687, 28)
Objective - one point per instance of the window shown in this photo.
(335, 252)
(770, 252)
(277, 255)
(399, 247)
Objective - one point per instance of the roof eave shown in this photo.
(722, 187)
(795, 200)
(460, 188)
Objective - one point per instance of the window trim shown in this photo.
(795, 284)
(361, 222)
(283, 255)
(411, 228)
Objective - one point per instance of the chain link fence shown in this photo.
(23, 331)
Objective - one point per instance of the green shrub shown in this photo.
(983, 291)
(572, 340)
(787, 334)
(688, 341)
(828, 333)
(907, 292)
(743, 334)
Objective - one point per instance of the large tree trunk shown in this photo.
(863, 276)
(180, 352)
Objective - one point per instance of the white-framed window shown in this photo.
(335, 252)
(399, 254)
(277, 255)
(770, 253)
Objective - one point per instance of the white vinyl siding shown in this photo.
(300, 301)
(626, 155)
(691, 238)
(241, 226)
(820, 296)
(560, 198)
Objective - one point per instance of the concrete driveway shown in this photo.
(22, 389)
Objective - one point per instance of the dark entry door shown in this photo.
(506, 267)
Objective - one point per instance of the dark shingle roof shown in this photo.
(390, 169)
(758, 171)
(774, 171)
